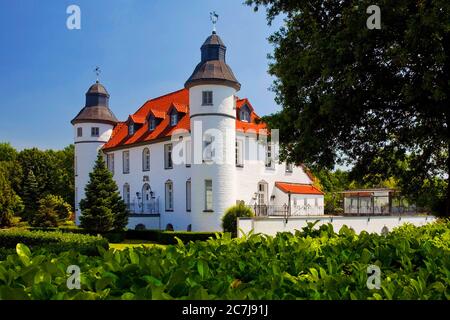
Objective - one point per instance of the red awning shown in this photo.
(297, 188)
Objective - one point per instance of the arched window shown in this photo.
(169, 227)
(146, 159)
(126, 193)
(169, 195)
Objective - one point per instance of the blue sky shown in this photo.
(144, 48)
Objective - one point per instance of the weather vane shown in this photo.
(214, 17)
(97, 72)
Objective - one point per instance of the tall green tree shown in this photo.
(351, 94)
(102, 209)
(10, 202)
(7, 152)
(64, 173)
(31, 196)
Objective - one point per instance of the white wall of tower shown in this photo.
(86, 150)
(219, 117)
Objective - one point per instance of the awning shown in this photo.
(297, 188)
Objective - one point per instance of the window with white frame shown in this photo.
(146, 159)
(79, 132)
(188, 153)
(168, 156)
(208, 195)
(239, 153)
(126, 194)
(269, 156)
(126, 162)
(169, 196)
(95, 132)
(173, 118)
(289, 167)
(110, 162)
(188, 195)
(207, 98)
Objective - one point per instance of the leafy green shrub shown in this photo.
(114, 237)
(314, 263)
(52, 241)
(52, 211)
(229, 219)
(168, 237)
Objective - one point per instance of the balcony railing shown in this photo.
(383, 210)
(151, 207)
(284, 210)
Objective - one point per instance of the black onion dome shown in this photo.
(96, 108)
(212, 68)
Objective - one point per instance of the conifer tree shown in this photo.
(31, 195)
(102, 209)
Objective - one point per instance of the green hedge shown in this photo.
(64, 229)
(168, 237)
(51, 241)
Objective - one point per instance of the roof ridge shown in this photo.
(157, 98)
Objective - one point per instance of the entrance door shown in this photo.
(146, 198)
(262, 198)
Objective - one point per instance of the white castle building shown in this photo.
(183, 158)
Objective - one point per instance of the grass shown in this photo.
(135, 244)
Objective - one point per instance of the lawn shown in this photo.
(135, 244)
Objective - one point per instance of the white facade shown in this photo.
(192, 188)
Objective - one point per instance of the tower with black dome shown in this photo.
(93, 127)
(212, 88)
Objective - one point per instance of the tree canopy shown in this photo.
(351, 95)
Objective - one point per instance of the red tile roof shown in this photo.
(137, 119)
(158, 114)
(180, 107)
(159, 107)
(297, 188)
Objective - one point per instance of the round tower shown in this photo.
(93, 127)
(212, 88)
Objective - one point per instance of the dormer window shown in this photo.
(207, 98)
(173, 118)
(131, 129)
(151, 123)
(245, 116)
(244, 113)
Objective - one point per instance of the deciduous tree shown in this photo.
(351, 95)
